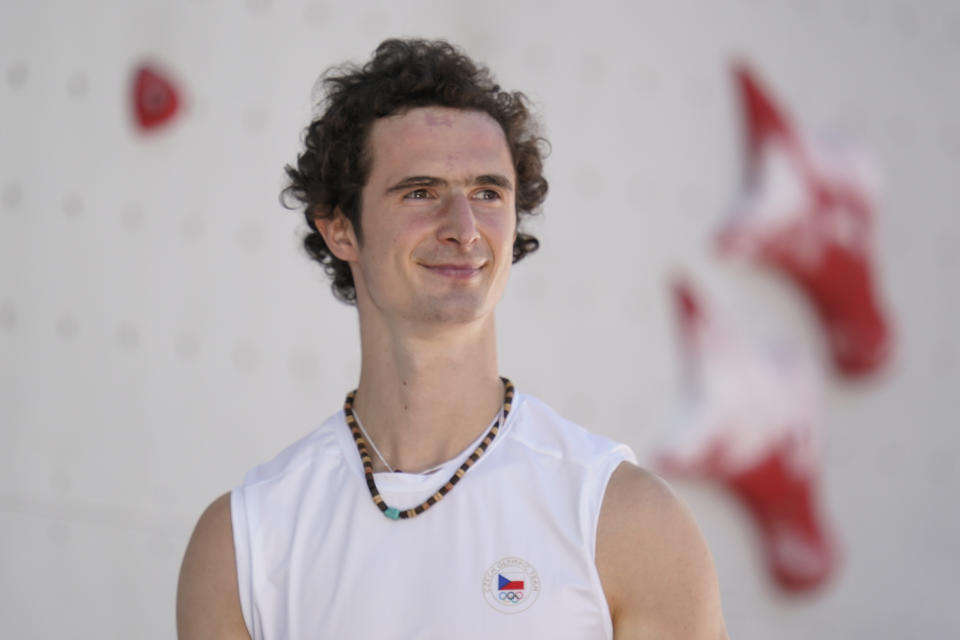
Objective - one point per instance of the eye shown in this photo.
(487, 194)
(417, 194)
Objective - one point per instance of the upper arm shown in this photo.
(208, 600)
(654, 564)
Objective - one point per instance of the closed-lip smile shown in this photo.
(454, 270)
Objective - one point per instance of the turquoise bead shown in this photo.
(393, 513)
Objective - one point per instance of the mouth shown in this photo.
(456, 271)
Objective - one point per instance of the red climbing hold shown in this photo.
(155, 98)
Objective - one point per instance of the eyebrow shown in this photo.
(494, 179)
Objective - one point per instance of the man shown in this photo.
(506, 520)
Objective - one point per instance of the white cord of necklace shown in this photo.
(372, 445)
(356, 417)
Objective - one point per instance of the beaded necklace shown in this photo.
(392, 512)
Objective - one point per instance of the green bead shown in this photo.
(393, 513)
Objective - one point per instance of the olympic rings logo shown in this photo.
(510, 597)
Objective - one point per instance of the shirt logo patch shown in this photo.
(511, 585)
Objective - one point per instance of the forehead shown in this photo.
(429, 140)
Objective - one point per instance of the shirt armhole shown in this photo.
(594, 490)
(244, 558)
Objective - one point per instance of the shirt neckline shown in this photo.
(400, 481)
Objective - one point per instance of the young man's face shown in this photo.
(438, 219)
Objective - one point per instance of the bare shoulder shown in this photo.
(208, 600)
(654, 564)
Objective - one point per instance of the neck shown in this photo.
(424, 397)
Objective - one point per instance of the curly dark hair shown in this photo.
(403, 74)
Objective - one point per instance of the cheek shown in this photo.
(507, 230)
(405, 241)
(501, 225)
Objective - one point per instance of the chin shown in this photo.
(461, 310)
(450, 316)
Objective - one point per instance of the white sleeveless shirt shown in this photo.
(509, 553)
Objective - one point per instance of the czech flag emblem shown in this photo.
(509, 585)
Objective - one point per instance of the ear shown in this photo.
(337, 232)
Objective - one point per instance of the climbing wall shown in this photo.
(161, 331)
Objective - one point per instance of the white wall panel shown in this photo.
(161, 332)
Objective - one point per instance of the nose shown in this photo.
(459, 224)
